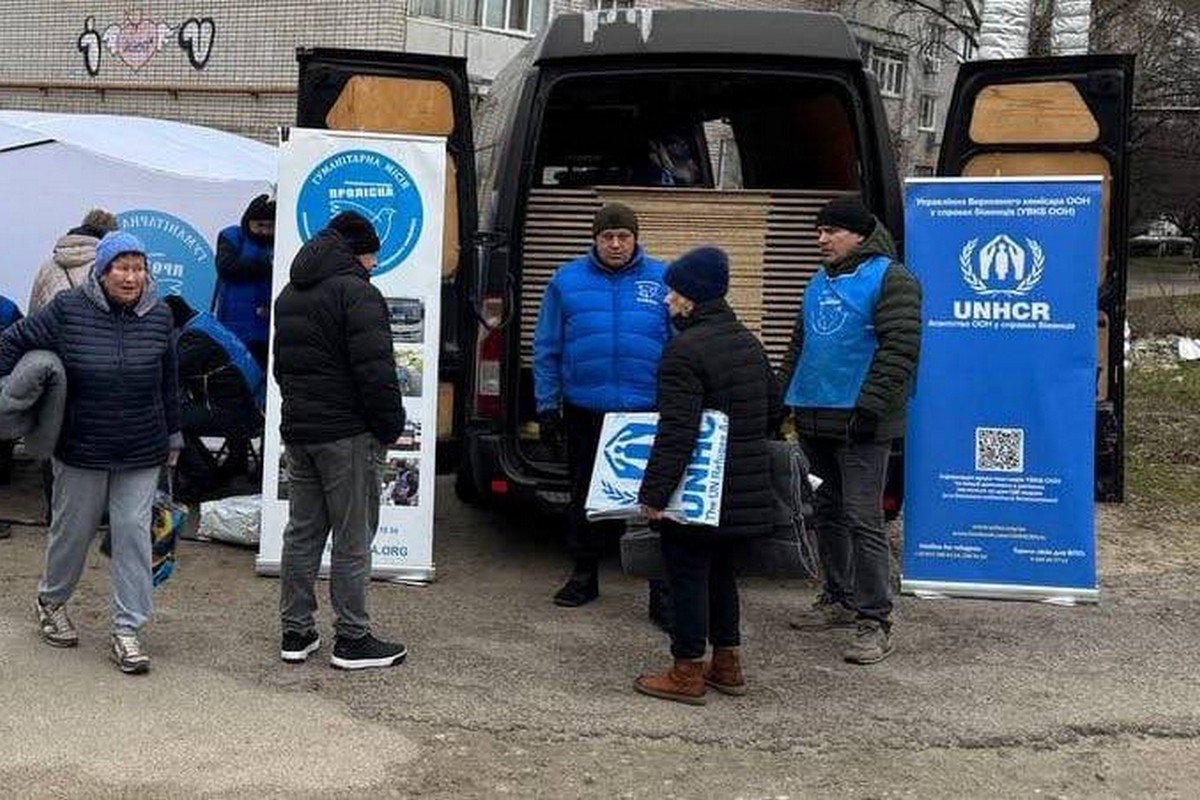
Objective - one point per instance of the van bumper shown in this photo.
(500, 477)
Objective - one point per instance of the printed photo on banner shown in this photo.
(407, 319)
(410, 369)
(410, 437)
(400, 481)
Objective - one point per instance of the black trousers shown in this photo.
(585, 540)
(703, 585)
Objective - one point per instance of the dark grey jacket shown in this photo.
(716, 363)
(890, 379)
(122, 407)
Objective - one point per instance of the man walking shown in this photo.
(597, 346)
(341, 406)
(848, 375)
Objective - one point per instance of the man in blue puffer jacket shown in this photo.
(598, 343)
(245, 254)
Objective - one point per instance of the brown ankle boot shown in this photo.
(724, 673)
(683, 683)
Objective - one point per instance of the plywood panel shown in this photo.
(393, 105)
(997, 165)
(1032, 113)
(771, 238)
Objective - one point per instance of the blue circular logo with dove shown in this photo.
(178, 256)
(376, 187)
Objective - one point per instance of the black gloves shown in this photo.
(863, 426)
(550, 429)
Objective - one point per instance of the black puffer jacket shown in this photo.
(333, 349)
(889, 381)
(716, 363)
(122, 391)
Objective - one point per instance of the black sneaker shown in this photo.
(580, 589)
(366, 653)
(297, 647)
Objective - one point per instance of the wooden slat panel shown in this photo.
(393, 105)
(769, 235)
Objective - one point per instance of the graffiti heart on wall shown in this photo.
(134, 41)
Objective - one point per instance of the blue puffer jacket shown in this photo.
(9, 313)
(122, 391)
(600, 336)
(242, 301)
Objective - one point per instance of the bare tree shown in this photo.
(1165, 36)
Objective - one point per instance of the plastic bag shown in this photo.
(231, 519)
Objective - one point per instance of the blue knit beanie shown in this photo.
(112, 245)
(700, 275)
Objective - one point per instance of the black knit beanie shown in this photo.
(261, 209)
(700, 275)
(847, 213)
(613, 216)
(358, 232)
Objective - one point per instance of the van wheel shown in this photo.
(465, 489)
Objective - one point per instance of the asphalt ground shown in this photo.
(506, 695)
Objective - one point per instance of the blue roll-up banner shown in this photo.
(999, 456)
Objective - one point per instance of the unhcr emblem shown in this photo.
(1002, 267)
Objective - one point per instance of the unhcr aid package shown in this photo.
(625, 443)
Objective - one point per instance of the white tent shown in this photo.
(173, 185)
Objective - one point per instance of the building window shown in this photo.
(888, 66)
(513, 15)
(968, 50)
(926, 112)
(609, 5)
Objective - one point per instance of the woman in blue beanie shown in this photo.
(121, 425)
(715, 363)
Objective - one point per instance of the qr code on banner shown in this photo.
(1000, 449)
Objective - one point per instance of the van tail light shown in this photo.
(489, 358)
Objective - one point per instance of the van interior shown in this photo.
(743, 161)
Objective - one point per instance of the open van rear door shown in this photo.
(1060, 116)
(356, 90)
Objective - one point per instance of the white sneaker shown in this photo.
(127, 652)
(57, 629)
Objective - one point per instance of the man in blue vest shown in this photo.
(848, 376)
(245, 254)
(597, 346)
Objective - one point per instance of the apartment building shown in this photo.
(230, 64)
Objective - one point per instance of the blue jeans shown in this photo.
(851, 539)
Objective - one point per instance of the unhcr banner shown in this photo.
(398, 183)
(626, 440)
(999, 457)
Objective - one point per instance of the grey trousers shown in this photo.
(851, 537)
(80, 497)
(333, 486)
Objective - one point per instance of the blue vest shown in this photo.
(839, 337)
(239, 356)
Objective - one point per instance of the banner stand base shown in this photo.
(1053, 595)
(412, 576)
